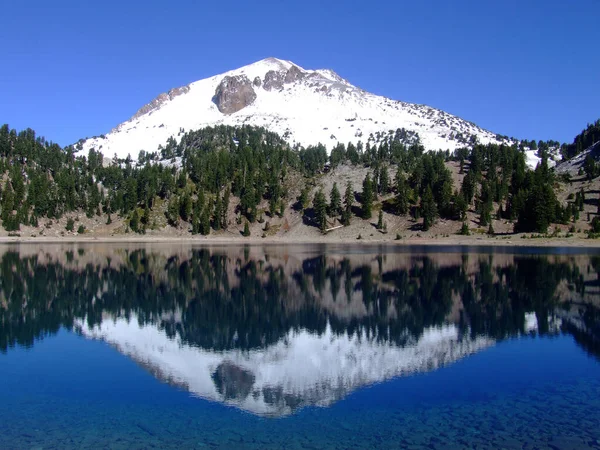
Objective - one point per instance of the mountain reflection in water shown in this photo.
(273, 329)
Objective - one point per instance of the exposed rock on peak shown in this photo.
(274, 80)
(161, 100)
(294, 74)
(233, 94)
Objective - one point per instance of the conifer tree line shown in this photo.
(588, 137)
(198, 181)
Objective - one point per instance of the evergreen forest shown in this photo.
(220, 178)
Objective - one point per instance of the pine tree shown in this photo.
(225, 207)
(460, 204)
(134, 221)
(172, 212)
(348, 201)
(335, 201)
(195, 224)
(428, 209)
(380, 220)
(185, 207)
(485, 205)
(445, 199)
(402, 193)
(248, 203)
(197, 213)
(218, 213)
(367, 197)
(375, 180)
(130, 197)
(384, 181)
(246, 231)
(320, 207)
(484, 216)
(303, 198)
(590, 167)
(146, 217)
(205, 221)
(7, 203)
(468, 186)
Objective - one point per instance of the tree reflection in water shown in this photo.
(241, 312)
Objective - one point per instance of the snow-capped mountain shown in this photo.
(302, 369)
(303, 106)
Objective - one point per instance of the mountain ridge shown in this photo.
(306, 107)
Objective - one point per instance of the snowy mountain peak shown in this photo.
(260, 68)
(304, 106)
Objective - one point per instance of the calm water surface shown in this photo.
(171, 346)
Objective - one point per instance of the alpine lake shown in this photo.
(298, 347)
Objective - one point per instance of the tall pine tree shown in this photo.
(367, 197)
(320, 208)
(335, 201)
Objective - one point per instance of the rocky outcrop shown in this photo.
(273, 80)
(161, 100)
(257, 82)
(294, 74)
(175, 92)
(233, 94)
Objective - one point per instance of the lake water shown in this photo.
(293, 347)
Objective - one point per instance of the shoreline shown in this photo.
(453, 241)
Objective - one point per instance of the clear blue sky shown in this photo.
(524, 68)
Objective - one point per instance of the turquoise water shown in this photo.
(297, 348)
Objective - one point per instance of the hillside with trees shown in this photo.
(247, 181)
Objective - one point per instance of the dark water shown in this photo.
(156, 346)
